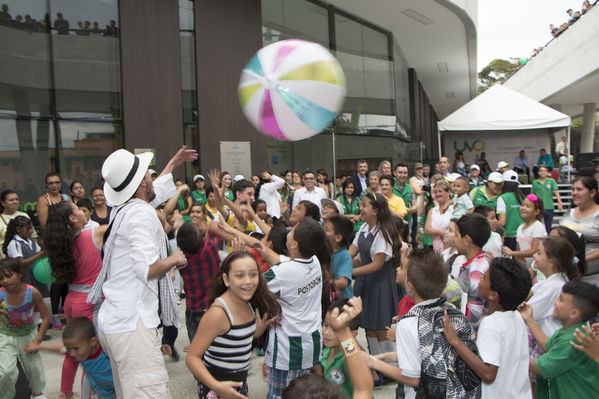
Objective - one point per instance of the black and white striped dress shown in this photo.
(228, 356)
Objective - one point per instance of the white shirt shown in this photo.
(128, 293)
(270, 195)
(525, 236)
(314, 196)
(379, 245)
(543, 294)
(407, 345)
(164, 188)
(503, 342)
(457, 262)
(13, 249)
(90, 225)
(495, 245)
(560, 147)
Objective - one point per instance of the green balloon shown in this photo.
(523, 60)
(42, 271)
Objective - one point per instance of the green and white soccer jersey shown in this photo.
(296, 343)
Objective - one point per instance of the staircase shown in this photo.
(565, 192)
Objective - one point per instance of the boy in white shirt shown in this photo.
(502, 339)
(85, 205)
(427, 363)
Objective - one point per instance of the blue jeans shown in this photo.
(548, 217)
(192, 320)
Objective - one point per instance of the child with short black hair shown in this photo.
(502, 340)
(298, 285)
(332, 360)
(426, 360)
(563, 371)
(473, 232)
(494, 245)
(87, 208)
(339, 230)
(80, 342)
(19, 338)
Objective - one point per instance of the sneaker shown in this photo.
(56, 323)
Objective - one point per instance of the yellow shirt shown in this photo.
(397, 205)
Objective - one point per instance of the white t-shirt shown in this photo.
(457, 262)
(503, 342)
(378, 245)
(270, 195)
(296, 342)
(90, 225)
(524, 236)
(495, 245)
(13, 249)
(407, 345)
(313, 196)
(543, 294)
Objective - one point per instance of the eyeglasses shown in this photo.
(309, 178)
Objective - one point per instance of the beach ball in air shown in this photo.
(292, 89)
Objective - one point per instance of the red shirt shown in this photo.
(405, 305)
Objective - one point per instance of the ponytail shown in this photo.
(562, 252)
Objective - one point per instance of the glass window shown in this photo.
(83, 148)
(86, 58)
(27, 149)
(24, 59)
(297, 19)
(188, 61)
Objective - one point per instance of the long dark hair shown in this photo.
(11, 230)
(344, 186)
(386, 225)
(562, 252)
(263, 299)
(513, 187)
(577, 242)
(58, 238)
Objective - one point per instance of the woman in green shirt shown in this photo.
(350, 204)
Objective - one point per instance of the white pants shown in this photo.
(137, 364)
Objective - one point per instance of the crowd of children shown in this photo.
(491, 307)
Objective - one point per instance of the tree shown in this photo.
(497, 71)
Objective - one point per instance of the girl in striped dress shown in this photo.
(219, 357)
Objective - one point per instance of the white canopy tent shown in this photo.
(500, 109)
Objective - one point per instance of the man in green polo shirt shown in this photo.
(545, 187)
(403, 190)
(487, 195)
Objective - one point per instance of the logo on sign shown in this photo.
(473, 146)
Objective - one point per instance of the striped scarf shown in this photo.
(169, 312)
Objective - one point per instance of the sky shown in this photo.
(513, 28)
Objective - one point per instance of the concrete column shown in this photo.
(588, 127)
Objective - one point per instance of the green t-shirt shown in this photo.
(544, 191)
(351, 209)
(427, 241)
(407, 194)
(513, 219)
(566, 372)
(479, 197)
(336, 371)
(476, 182)
(198, 197)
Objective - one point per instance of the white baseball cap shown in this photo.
(495, 177)
(510, 175)
(475, 167)
(238, 178)
(328, 201)
(502, 164)
(196, 177)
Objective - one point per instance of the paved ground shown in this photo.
(182, 384)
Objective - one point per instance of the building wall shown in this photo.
(228, 33)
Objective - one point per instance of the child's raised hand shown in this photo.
(589, 344)
(449, 330)
(525, 311)
(340, 321)
(390, 333)
(31, 348)
(237, 245)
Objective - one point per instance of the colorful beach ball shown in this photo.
(292, 89)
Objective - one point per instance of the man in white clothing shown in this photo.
(309, 192)
(133, 277)
(270, 195)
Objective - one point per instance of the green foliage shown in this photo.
(497, 71)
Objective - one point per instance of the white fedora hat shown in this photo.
(123, 172)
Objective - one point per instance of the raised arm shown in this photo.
(182, 155)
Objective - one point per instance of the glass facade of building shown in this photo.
(60, 92)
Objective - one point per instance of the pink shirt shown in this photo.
(88, 259)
